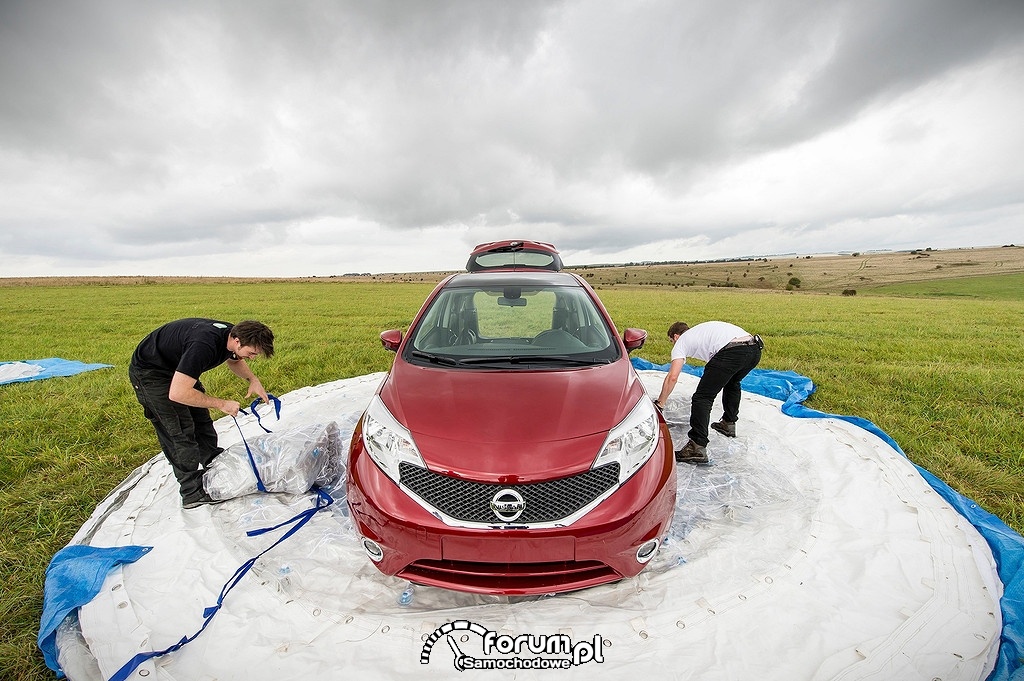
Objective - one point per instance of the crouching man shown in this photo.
(731, 353)
(165, 370)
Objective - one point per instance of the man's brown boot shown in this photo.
(692, 453)
(725, 428)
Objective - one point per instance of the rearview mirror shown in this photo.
(391, 339)
(634, 339)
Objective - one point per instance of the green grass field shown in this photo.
(935, 365)
(1008, 287)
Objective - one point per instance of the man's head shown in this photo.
(677, 330)
(256, 335)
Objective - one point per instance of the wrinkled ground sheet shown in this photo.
(810, 549)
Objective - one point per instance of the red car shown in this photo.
(512, 448)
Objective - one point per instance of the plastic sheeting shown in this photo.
(286, 461)
(810, 549)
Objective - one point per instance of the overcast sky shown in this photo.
(315, 138)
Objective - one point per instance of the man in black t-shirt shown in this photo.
(165, 370)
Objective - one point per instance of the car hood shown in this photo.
(510, 426)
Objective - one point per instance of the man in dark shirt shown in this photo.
(165, 370)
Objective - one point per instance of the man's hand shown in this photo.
(230, 407)
(256, 388)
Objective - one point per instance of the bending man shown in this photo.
(165, 371)
(730, 353)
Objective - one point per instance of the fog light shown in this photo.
(373, 550)
(647, 550)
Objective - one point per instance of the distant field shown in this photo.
(940, 372)
(828, 274)
(991, 287)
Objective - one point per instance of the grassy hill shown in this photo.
(857, 272)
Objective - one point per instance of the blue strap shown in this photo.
(252, 407)
(323, 500)
(252, 461)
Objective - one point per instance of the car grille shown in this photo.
(546, 502)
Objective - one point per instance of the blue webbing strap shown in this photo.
(252, 461)
(323, 500)
(252, 407)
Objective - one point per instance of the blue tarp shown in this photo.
(51, 368)
(1007, 545)
(74, 576)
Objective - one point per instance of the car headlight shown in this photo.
(388, 441)
(633, 441)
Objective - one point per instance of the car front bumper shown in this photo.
(601, 546)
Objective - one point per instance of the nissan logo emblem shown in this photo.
(508, 505)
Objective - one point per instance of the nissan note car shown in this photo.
(511, 449)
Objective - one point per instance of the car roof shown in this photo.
(514, 255)
(512, 277)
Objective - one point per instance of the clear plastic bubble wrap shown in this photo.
(289, 461)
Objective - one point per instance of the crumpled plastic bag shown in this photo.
(289, 461)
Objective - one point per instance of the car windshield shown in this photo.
(505, 326)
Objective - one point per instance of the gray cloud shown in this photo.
(185, 137)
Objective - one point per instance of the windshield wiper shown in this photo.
(536, 359)
(435, 359)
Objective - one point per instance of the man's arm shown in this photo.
(669, 384)
(183, 391)
(242, 370)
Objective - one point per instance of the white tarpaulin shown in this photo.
(810, 549)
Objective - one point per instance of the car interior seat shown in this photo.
(469, 332)
(438, 337)
(591, 336)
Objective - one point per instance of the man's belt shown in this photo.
(753, 340)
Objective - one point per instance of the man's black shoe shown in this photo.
(201, 500)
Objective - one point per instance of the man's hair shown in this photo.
(255, 334)
(678, 327)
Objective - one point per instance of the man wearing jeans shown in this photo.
(165, 370)
(730, 353)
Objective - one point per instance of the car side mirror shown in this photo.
(392, 338)
(634, 339)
